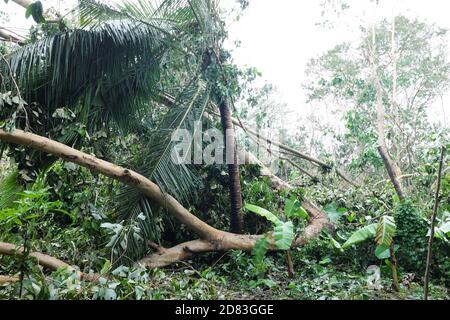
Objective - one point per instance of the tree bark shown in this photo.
(433, 224)
(391, 167)
(124, 175)
(44, 260)
(236, 216)
(168, 101)
(294, 152)
(8, 280)
(166, 256)
(211, 238)
(7, 36)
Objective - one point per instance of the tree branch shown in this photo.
(44, 260)
(433, 224)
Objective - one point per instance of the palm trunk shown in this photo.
(236, 217)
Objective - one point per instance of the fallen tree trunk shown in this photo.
(8, 280)
(10, 37)
(211, 239)
(113, 171)
(166, 256)
(319, 217)
(44, 260)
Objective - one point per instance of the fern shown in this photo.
(156, 164)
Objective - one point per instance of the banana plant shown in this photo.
(283, 231)
(383, 233)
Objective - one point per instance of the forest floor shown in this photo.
(315, 281)
(224, 277)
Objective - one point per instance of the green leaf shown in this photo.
(264, 213)
(383, 252)
(110, 294)
(445, 228)
(260, 249)
(335, 244)
(325, 261)
(70, 166)
(37, 12)
(361, 235)
(385, 231)
(290, 206)
(28, 11)
(293, 209)
(106, 267)
(334, 214)
(284, 235)
(9, 189)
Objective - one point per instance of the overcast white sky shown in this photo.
(278, 37)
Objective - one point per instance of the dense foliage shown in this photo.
(119, 80)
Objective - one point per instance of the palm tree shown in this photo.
(236, 218)
(112, 69)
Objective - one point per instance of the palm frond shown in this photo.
(116, 66)
(9, 189)
(113, 61)
(170, 17)
(157, 164)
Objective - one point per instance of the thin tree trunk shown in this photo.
(290, 264)
(291, 151)
(236, 216)
(318, 221)
(433, 225)
(394, 267)
(391, 167)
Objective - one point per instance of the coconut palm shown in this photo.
(113, 69)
